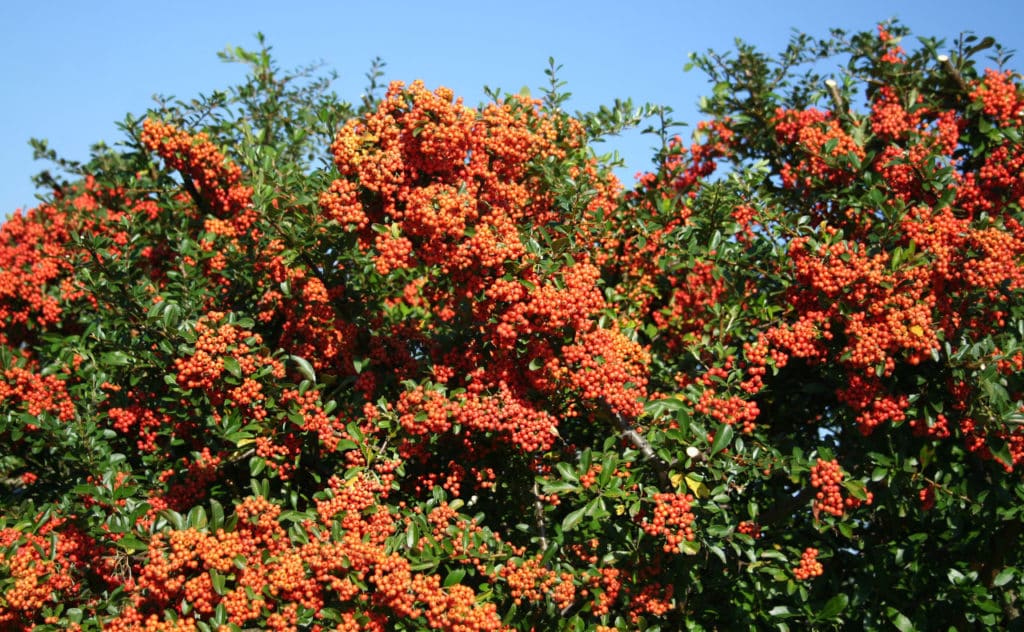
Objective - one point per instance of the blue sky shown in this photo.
(71, 69)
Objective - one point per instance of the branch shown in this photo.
(193, 192)
(951, 70)
(640, 443)
(833, 91)
(538, 515)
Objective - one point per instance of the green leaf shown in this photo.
(689, 547)
(572, 520)
(454, 577)
(722, 438)
(560, 487)
(567, 472)
(115, 358)
(668, 404)
(900, 620)
(197, 518)
(216, 514)
(856, 489)
(305, 368)
(596, 508)
(411, 536)
(834, 606)
(346, 444)
(172, 315)
(131, 543)
(231, 366)
(174, 518)
(1004, 576)
(218, 581)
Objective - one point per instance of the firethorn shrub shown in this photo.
(282, 362)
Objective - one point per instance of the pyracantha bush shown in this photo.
(281, 362)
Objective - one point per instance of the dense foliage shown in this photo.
(282, 362)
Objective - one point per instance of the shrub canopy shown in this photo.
(278, 361)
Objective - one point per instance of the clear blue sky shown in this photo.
(70, 69)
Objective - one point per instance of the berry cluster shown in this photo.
(262, 578)
(21, 388)
(32, 266)
(217, 180)
(826, 477)
(47, 566)
(750, 528)
(1000, 97)
(824, 152)
(809, 566)
(671, 519)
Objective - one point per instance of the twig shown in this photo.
(538, 515)
(193, 192)
(833, 91)
(951, 70)
(640, 443)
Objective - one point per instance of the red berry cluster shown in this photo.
(32, 265)
(46, 567)
(826, 477)
(36, 394)
(218, 181)
(809, 566)
(750, 528)
(430, 185)
(1000, 97)
(653, 599)
(265, 577)
(811, 132)
(671, 519)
